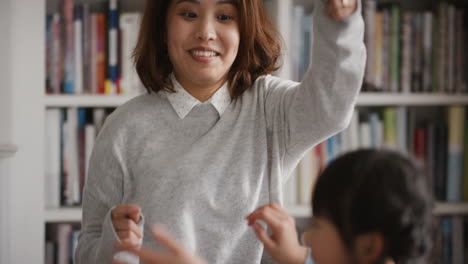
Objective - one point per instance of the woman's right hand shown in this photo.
(125, 219)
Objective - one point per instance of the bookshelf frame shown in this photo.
(300, 211)
(365, 99)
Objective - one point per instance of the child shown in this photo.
(369, 206)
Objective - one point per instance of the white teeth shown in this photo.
(200, 53)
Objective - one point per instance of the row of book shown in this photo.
(69, 138)
(412, 51)
(90, 52)
(61, 242)
(436, 137)
(450, 241)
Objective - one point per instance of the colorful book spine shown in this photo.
(395, 57)
(69, 47)
(78, 51)
(465, 164)
(113, 66)
(456, 125)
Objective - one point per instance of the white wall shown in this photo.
(5, 73)
(5, 253)
(27, 23)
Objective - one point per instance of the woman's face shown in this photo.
(326, 245)
(203, 40)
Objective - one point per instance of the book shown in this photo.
(52, 158)
(113, 51)
(465, 164)
(456, 126)
(69, 63)
(129, 24)
(78, 50)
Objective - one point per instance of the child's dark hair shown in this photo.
(377, 191)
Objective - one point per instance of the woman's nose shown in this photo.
(206, 30)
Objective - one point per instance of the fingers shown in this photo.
(341, 9)
(124, 218)
(129, 226)
(131, 211)
(263, 236)
(166, 239)
(146, 255)
(129, 238)
(273, 215)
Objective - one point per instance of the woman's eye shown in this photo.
(224, 17)
(189, 15)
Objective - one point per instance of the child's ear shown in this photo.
(369, 247)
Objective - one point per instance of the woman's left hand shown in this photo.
(282, 244)
(176, 253)
(339, 10)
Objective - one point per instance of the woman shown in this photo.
(216, 136)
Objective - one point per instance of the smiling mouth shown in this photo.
(204, 53)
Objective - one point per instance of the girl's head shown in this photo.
(369, 206)
(175, 36)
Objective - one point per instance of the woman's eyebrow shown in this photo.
(219, 2)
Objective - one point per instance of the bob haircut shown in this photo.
(377, 191)
(259, 47)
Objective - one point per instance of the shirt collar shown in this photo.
(183, 102)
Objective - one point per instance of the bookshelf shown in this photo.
(22, 98)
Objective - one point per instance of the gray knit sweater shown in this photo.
(200, 176)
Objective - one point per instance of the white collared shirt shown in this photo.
(183, 102)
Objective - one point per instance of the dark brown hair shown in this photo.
(259, 47)
(383, 191)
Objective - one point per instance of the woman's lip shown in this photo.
(204, 50)
(202, 59)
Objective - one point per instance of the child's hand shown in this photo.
(175, 254)
(340, 9)
(283, 244)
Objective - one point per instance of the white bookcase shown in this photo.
(22, 109)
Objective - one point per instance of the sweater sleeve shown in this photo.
(301, 115)
(103, 190)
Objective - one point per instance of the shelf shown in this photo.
(411, 99)
(63, 215)
(299, 210)
(451, 208)
(74, 214)
(86, 100)
(440, 209)
(364, 99)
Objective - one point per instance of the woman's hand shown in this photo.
(339, 10)
(176, 254)
(125, 219)
(282, 244)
